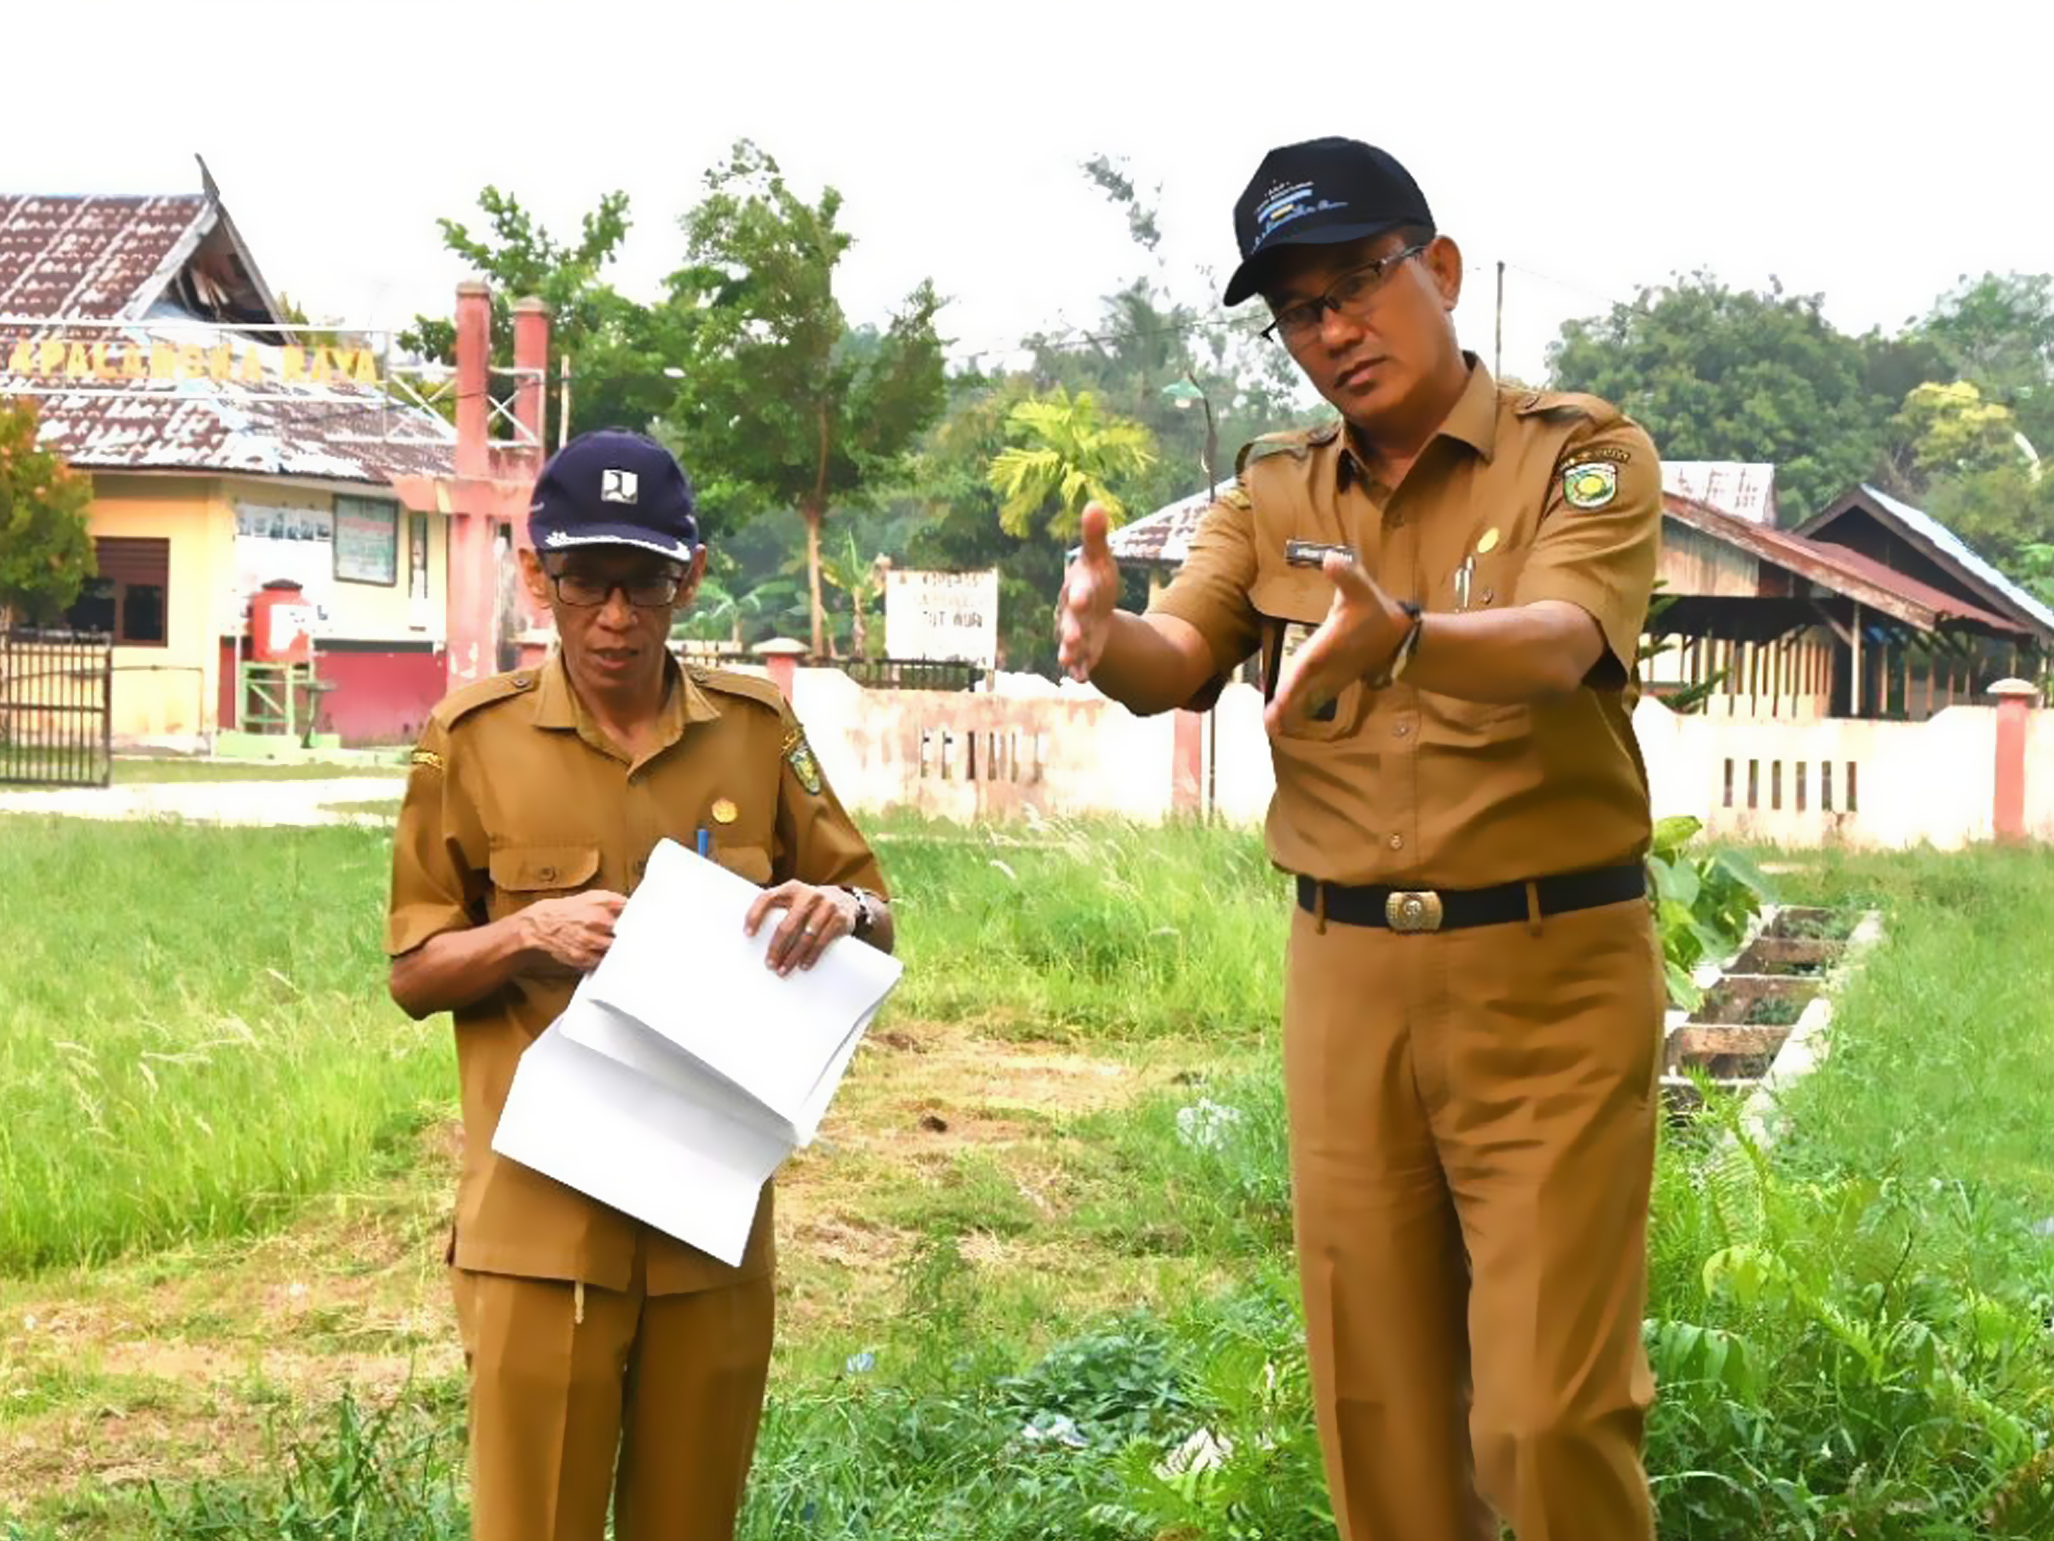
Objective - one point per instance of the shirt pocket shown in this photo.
(1290, 607)
(522, 874)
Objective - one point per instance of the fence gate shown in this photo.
(56, 729)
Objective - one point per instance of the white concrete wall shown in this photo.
(1069, 751)
(1887, 784)
(1244, 777)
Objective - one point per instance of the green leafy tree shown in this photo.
(1952, 430)
(1720, 374)
(861, 580)
(1064, 453)
(46, 555)
(612, 343)
(781, 400)
(1997, 331)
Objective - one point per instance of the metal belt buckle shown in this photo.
(1419, 911)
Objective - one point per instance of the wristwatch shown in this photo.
(1390, 673)
(866, 911)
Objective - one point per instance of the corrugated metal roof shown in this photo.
(338, 431)
(1744, 488)
(335, 432)
(1845, 572)
(1163, 538)
(1933, 531)
(93, 258)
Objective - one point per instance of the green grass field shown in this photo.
(1045, 1238)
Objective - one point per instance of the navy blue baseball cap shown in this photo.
(611, 487)
(1320, 192)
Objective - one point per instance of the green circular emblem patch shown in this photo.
(1592, 484)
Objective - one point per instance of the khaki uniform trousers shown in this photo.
(662, 1392)
(1472, 1146)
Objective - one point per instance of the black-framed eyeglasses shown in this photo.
(1349, 295)
(588, 591)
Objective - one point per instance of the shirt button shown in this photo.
(1401, 730)
(547, 874)
(1397, 842)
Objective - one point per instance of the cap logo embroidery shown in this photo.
(1287, 204)
(617, 486)
(556, 538)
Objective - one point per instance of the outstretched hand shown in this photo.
(1091, 590)
(1361, 632)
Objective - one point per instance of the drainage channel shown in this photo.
(1761, 1024)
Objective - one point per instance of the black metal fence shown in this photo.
(56, 725)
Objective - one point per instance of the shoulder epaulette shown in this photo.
(1565, 404)
(1295, 442)
(462, 702)
(731, 682)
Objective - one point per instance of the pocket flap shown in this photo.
(1295, 596)
(530, 868)
(749, 861)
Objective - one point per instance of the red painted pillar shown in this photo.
(2015, 699)
(781, 657)
(473, 569)
(531, 360)
(1187, 764)
(531, 397)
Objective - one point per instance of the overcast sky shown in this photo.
(1594, 148)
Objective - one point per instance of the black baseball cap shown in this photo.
(1320, 193)
(611, 487)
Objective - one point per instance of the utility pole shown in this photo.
(1498, 352)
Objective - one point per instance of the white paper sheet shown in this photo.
(684, 1071)
(783, 1041)
(633, 1143)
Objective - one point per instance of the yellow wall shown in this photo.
(169, 692)
(364, 612)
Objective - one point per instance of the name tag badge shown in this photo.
(1312, 553)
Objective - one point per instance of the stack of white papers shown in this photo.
(684, 1071)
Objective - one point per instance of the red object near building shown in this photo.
(281, 624)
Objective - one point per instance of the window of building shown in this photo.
(130, 599)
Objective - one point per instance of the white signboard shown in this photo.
(942, 616)
(294, 543)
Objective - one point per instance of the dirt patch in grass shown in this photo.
(172, 1365)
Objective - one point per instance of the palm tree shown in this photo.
(1065, 452)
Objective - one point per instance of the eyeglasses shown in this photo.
(1350, 295)
(587, 591)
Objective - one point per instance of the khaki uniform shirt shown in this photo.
(1547, 496)
(516, 795)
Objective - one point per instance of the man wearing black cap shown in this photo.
(1446, 590)
(605, 1357)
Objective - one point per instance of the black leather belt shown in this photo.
(1426, 909)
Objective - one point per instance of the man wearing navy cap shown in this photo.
(606, 1358)
(1446, 590)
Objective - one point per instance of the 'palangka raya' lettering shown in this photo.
(113, 363)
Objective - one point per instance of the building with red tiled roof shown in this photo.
(229, 448)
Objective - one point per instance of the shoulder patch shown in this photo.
(1236, 496)
(1590, 483)
(750, 687)
(799, 755)
(463, 701)
(425, 759)
(1604, 452)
